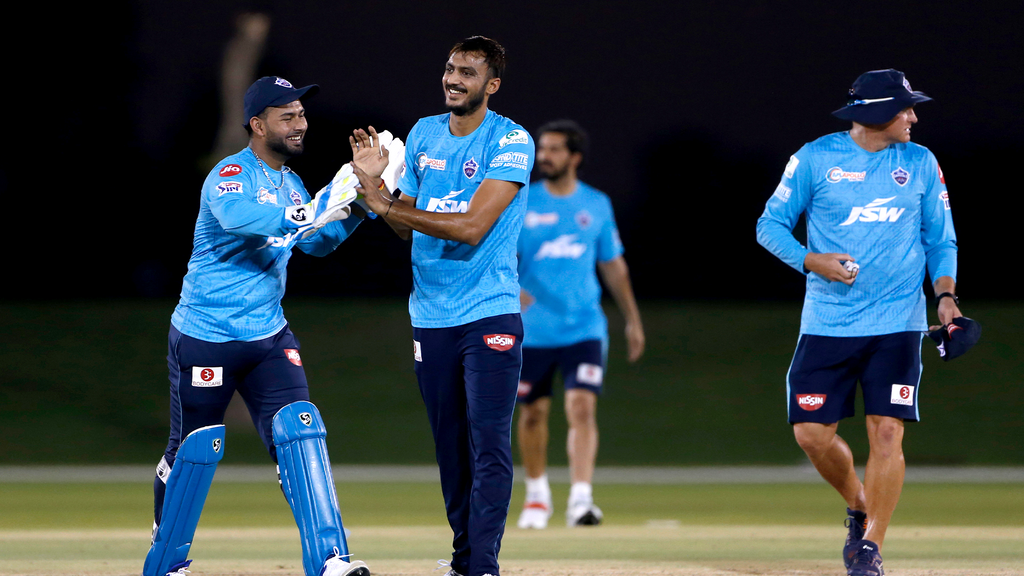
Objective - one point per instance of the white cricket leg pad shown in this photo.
(187, 486)
(307, 482)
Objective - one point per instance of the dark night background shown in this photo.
(693, 110)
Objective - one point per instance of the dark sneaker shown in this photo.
(866, 560)
(856, 523)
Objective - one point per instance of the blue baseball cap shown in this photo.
(956, 338)
(877, 96)
(273, 91)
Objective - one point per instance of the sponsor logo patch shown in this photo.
(874, 212)
(417, 352)
(513, 137)
(282, 82)
(306, 418)
(293, 356)
(942, 177)
(534, 219)
(470, 167)
(901, 176)
(791, 166)
(783, 192)
(207, 376)
(591, 374)
(810, 402)
(565, 246)
(229, 187)
(263, 196)
(216, 444)
(230, 170)
(296, 197)
(433, 163)
(518, 160)
(902, 395)
(837, 174)
(945, 199)
(500, 342)
(447, 204)
(524, 389)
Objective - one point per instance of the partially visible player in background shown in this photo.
(568, 235)
(869, 196)
(463, 196)
(229, 333)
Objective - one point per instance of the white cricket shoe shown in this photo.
(583, 513)
(535, 515)
(336, 566)
(446, 564)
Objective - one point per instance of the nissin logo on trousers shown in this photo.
(810, 402)
(874, 212)
(500, 342)
(446, 204)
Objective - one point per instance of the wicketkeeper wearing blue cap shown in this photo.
(878, 217)
(228, 333)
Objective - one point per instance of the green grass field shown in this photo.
(398, 528)
(86, 382)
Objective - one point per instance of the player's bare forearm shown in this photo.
(615, 273)
(948, 309)
(404, 232)
(487, 204)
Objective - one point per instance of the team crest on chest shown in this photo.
(296, 197)
(470, 168)
(584, 219)
(901, 176)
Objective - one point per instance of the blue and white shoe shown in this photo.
(867, 561)
(856, 523)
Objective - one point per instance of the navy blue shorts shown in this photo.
(581, 364)
(822, 380)
(267, 374)
(468, 376)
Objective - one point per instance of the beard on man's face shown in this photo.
(281, 146)
(472, 104)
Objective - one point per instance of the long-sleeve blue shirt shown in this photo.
(889, 210)
(243, 240)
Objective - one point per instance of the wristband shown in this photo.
(389, 209)
(947, 295)
(381, 187)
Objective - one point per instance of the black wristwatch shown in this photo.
(947, 295)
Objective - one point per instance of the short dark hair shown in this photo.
(493, 53)
(575, 137)
(248, 126)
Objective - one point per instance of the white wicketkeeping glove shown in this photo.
(396, 159)
(331, 203)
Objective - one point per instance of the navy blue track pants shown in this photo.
(468, 377)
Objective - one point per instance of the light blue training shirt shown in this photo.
(889, 210)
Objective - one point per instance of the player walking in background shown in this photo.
(568, 230)
(463, 195)
(229, 333)
(877, 217)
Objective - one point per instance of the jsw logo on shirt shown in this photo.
(874, 212)
(564, 246)
(446, 204)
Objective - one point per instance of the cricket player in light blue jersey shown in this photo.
(228, 333)
(878, 217)
(463, 195)
(569, 234)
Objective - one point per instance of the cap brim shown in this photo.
(298, 94)
(879, 112)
